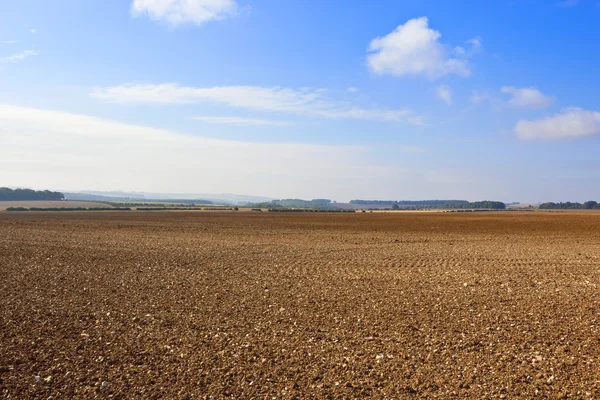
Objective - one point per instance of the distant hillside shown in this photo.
(297, 203)
(7, 194)
(197, 198)
(408, 202)
(97, 197)
(429, 204)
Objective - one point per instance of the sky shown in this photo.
(395, 100)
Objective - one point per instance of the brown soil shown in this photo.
(256, 305)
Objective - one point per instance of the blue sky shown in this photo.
(388, 99)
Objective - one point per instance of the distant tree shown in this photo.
(321, 201)
(7, 194)
(296, 203)
(564, 206)
(395, 207)
(590, 204)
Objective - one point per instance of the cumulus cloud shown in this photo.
(52, 149)
(414, 49)
(352, 90)
(307, 102)
(570, 123)
(241, 121)
(19, 56)
(177, 12)
(444, 93)
(529, 97)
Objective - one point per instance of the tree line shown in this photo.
(431, 204)
(588, 205)
(296, 203)
(421, 203)
(8, 194)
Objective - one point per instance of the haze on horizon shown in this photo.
(388, 100)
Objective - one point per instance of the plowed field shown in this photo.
(259, 305)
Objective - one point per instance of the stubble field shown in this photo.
(259, 305)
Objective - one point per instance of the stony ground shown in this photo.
(256, 305)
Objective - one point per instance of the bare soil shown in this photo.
(258, 305)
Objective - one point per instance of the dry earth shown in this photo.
(51, 204)
(259, 305)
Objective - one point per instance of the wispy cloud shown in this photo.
(473, 46)
(32, 30)
(178, 12)
(528, 97)
(40, 147)
(9, 42)
(414, 49)
(307, 102)
(476, 44)
(479, 96)
(444, 93)
(241, 121)
(570, 123)
(352, 90)
(19, 56)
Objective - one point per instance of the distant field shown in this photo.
(166, 202)
(348, 206)
(523, 205)
(52, 204)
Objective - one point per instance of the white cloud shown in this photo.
(414, 49)
(241, 121)
(570, 123)
(308, 102)
(177, 12)
(9, 42)
(444, 93)
(32, 31)
(19, 56)
(352, 90)
(527, 97)
(52, 149)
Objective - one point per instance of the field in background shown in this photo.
(398, 305)
(52, 204)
